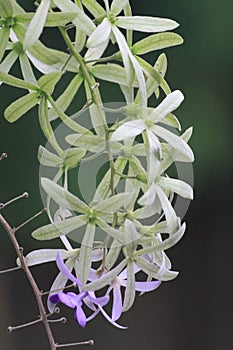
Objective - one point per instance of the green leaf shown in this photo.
(36, 25)
(47, 82)
(156, 42)
(116, 234)
(81, 20)
(113, 203)
(151, 84)
(72, 156)
(118, 5)
(63, 227)
(16, 82)
(105, 278)
(187, 134)
(111, 72)
(98, 118)
(154, 74)
(19, 107)
(153, 271)
(16, 8)
(113, 254)
(65, 99)
(103, 189)
(6, 8)
(38, 50)
(52, 20)
(68, 121)
(85, 255)
(92, 143)
(59, 19)
(171, 120)
(160, 227)
(100, 35)
(172, 240)
(131, 237)
(46, 126)
(80, 40)
(27, 69)
(130, 287)
(146, 24)
(177, 186)
(24, 17)
(63, 197)
(4, 36)
(9, 61)
(138, 169)
(95, 9)
(161, 67)
(47, 158)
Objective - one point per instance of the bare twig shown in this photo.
(24, 195)
(38, 294)
(30, 219)
(89, 342)
(36, 291)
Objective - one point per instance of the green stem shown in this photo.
(114, 57)
(69, 122)
(96, 99)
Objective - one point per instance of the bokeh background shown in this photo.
(195, 311)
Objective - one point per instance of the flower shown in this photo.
(148, 123)
(121, 281)
(75, 301)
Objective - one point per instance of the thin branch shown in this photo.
(24, 195)
(89, 342)
(58, 290)
(10, 270)
(15, 328)
(30, 219)
(36, 291)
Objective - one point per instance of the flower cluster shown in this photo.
(138, 223)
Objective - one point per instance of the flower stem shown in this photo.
(96, 99)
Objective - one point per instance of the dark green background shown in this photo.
(194, 311)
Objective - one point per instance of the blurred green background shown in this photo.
(195, 310)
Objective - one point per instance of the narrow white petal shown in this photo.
(168, 105)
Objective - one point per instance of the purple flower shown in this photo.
(115, 286)
(121, 281)
(75, 301)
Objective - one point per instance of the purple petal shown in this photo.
(93, 275)
(93, 315)
(62, 298)
(110, 320)
(89, 303)
(98, 300)
(62, 267)
(123, 274)
(77, 298)
(80, 316)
